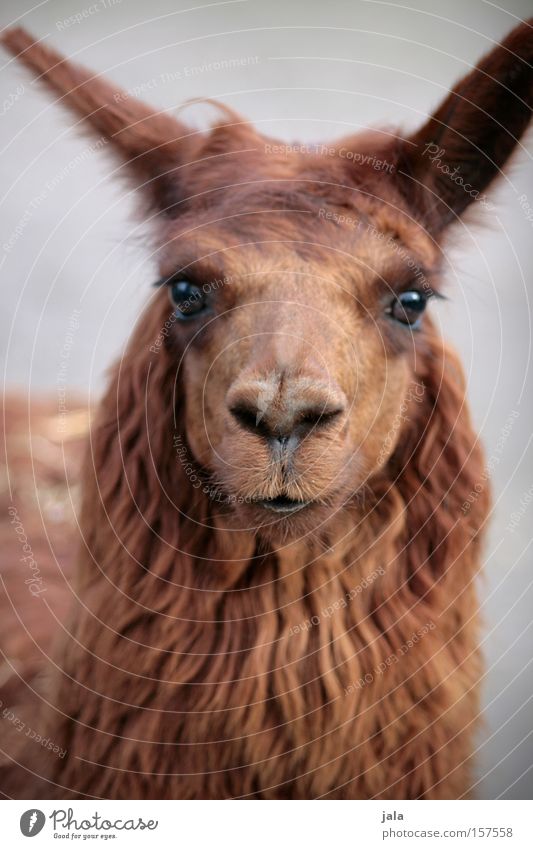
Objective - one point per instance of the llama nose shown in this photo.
(285, 411)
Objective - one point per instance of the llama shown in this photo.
(275, 591)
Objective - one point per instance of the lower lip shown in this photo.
(284, 509)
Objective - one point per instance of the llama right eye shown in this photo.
(188, 299)
(408, 307)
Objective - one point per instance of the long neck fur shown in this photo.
(200, 664)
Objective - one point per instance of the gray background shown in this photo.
(312, 71)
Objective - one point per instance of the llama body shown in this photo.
(275, 594)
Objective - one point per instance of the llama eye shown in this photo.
(188, 299)
(408, 307)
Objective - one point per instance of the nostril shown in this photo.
(315, 417)
(251, 418)
(248, 417)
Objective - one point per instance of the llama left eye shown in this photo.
(408, 307)
(188, 299)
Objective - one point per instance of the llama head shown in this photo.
(294, 279)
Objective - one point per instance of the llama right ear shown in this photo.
(464, 145)
(153, 143)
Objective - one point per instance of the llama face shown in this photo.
(296, 373)
(294, 357)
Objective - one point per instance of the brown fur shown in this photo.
(218, 651)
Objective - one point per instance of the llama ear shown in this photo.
(154, 144)
(463, 146)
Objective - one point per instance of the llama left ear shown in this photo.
(464, 145)
(154, 144)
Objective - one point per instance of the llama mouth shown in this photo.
(282, 504)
